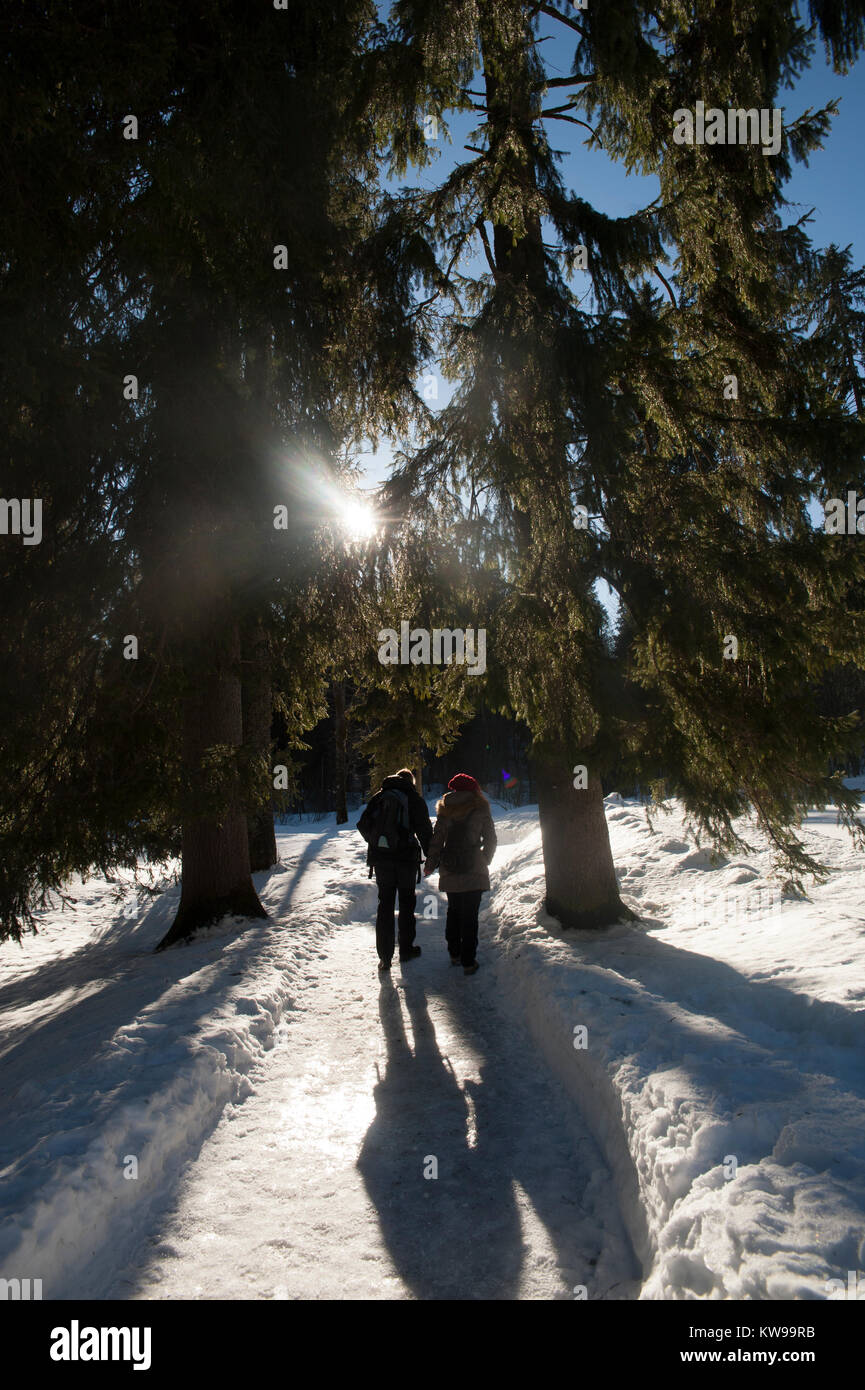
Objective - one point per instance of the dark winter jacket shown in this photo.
(480, 834)
(419, 822)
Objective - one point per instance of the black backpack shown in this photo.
(458, 855)
(387, 825)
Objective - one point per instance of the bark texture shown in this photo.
(216, 873)
(582, 890)
(257, 695)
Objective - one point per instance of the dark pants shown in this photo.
(393, 877)
(461, 928)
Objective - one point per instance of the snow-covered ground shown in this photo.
(253, 1115)
(723, 1069)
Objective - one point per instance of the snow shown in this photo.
(373, 1082)
(110, 1051)
(723, 1074)
(281, 1101)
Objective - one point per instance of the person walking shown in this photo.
(396, 826)
(462, 847)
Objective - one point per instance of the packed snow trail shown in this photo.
(314, 1187)
(264, 1098)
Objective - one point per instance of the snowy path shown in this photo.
(280, 1102)
(314, 1187)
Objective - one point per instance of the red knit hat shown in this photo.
(464, 782)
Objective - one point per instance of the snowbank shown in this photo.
(117, 1063)
(722, 1071)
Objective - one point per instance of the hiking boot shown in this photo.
(470, 969)
(410, 954)
(383, 967)
(456, 960)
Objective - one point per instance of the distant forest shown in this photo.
(495, 749)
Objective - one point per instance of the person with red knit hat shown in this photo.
(463, 781)
(462, 847)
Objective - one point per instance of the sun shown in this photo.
(356, 519)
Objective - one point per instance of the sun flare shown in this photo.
(356, 518)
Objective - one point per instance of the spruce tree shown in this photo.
(220, 227)
(668, 440)
(66, 446)
(271, 348)
(419, 575)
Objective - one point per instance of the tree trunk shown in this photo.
(257, 719)
(339, 741)
(419, 772)
(216, 875)
(580, 877)
(582, 890)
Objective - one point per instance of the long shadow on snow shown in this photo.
(127, 978)
(765, 1015)
(459, 1236)
(127, 943)
(308, 857)
(651, 988)
(90, 1031)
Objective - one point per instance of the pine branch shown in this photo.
(573, 81)
(159, 653)
(572, 120)
(563, 19)
(488, 250)
(666, 284)
(42, 770)
(445, 284)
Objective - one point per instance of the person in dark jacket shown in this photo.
(463, 845)
(394, 823)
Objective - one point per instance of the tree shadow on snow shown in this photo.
(761, 1013)
(120, 1028)
(752, 1047)
(279, 907)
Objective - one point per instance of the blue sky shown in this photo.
(833, 183)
